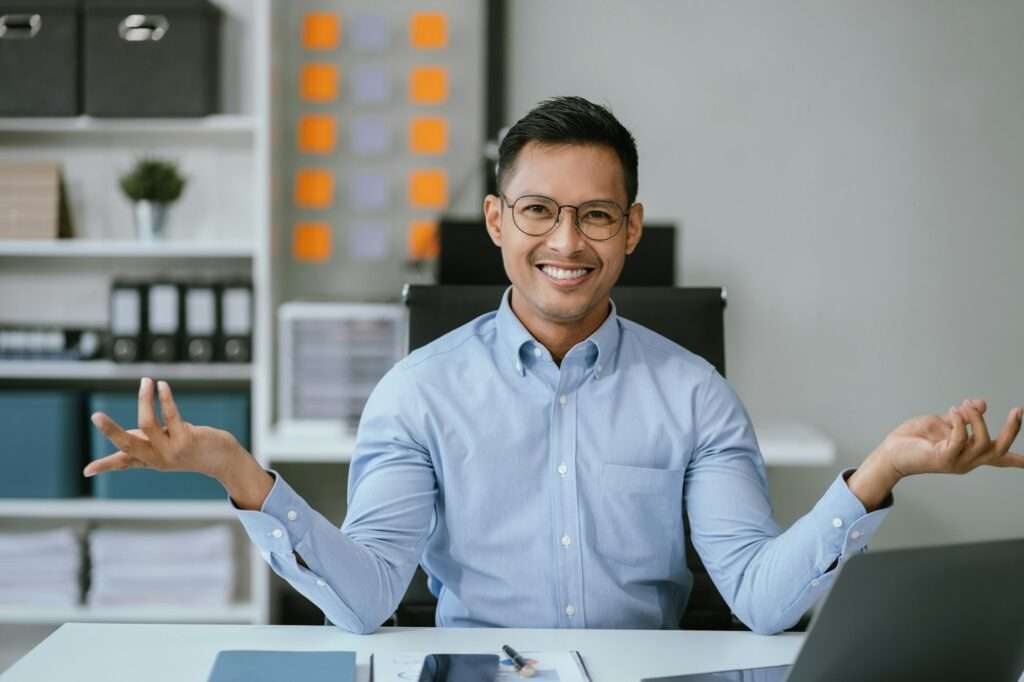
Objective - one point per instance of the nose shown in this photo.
(565, 237)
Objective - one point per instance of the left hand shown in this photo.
(935, 444)
(942, 445)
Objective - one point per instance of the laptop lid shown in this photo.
(948, 613)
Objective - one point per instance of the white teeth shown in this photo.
(559, 273)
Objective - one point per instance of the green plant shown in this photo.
(153, 180)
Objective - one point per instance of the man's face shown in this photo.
(569, 174)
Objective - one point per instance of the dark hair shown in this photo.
(570, 120)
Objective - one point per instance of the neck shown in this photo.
(559, 337)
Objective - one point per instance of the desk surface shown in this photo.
(88, 652)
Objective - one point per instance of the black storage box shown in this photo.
(151, 57)
(39, 58)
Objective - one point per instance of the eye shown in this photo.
(597, 214)
(537, 209)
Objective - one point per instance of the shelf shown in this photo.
(310, 444)
(80, 125)
(106, 369)
(46, 615)
(90, 508)
(90, 248)
(793, 444)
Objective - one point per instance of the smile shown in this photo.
(565, 278)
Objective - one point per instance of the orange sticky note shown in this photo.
(319, 82)
(311, 242)
(320, 31)
(423, 242)
(428, 188)
(428, 135)
(428, 85)
(428, 30)
(314, 188)
(317, 133)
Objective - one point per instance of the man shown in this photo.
(537, 459)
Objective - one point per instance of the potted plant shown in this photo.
(152, 185)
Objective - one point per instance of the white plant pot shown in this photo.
(150, 220)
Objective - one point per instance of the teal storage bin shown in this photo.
(41, 447)
(228, 410)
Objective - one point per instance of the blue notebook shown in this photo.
(284, 666)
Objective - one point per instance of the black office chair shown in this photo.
(690, 316)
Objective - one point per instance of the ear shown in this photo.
(492, 217)
(634, 227)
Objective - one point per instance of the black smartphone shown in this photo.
(459, 668)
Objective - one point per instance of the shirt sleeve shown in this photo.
(768, 577)
(357, 574)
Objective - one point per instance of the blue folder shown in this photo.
(284, 666)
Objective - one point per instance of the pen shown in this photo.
(521, 664)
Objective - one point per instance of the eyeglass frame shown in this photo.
(576, 215)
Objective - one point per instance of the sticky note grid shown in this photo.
(358, 105)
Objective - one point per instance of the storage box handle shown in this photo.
(20, 25)
(137, 28)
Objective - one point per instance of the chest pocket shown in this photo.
(640, 521)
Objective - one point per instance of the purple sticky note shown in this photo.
(371, 84)
(369, 33)
(369, 191)
(369, 136)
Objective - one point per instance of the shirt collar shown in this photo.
(518, 342)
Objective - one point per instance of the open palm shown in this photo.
(943, 444)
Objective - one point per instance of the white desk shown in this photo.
(94, 652)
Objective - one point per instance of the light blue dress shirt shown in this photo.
(539, 495)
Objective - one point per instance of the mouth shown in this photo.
(566, 278)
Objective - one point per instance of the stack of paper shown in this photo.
(41, 568)
(180, 568)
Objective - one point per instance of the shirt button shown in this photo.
(814, 583)
(320, 583)
(277, 533)
(537, 352)
(855, 534)
(292, 515)
(562, 469)
(570, 611)
(837, 522)
(563, 400)
(566, 540)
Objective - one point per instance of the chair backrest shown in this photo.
(690, 316)
(469, 257)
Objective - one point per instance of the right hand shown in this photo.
(178, 446)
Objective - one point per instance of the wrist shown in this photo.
(873, 481)
(246, 482)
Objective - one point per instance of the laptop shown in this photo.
(954, 612)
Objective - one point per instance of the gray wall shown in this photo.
(852, 172)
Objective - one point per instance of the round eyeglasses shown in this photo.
(536, 215)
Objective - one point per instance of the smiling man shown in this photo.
(537, 460)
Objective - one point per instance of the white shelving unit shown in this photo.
(106, 369)
(223, 227)
(95, 248)
(85, 125)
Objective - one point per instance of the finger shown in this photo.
(169, 409)
(1010, 459)
(1008, 434)
(115, 462)
(147, 417)
(113, 431)
(980, 442)
(953, 446)
(978, 404)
